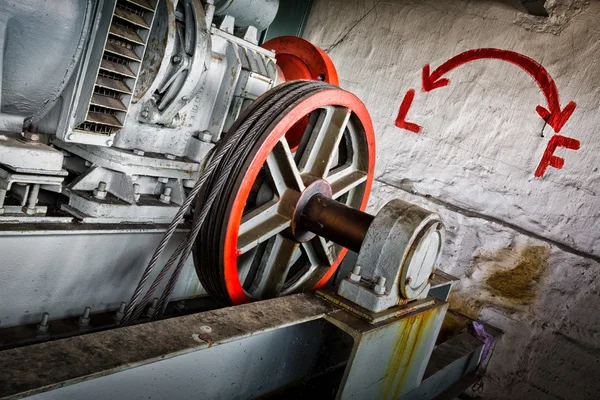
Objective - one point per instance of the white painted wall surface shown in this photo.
(474, 162)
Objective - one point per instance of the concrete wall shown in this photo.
(526, 248)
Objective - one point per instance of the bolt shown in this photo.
(163, 180)
(136, 191)
(109, 143)
(180, 305)
(84, 320)
(170, 156)
(100, 191)
(152, 308)
(145, 114)
(355, 274)
(31, 133)
(88, 164)
(121, 312)
(176, 59)
(206, 137)
(138, 152)
(185, 98)
(165, 197)
(380, 286)
(42, 327)
(408, 281)
(33, 199)
(206, 329)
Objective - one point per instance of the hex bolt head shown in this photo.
(145, 114)
(355, 274)
(380, 286)
(163, 180)
(206, 329)
(84, 320)
(139, 152)
(206, 137)
(121, 312)
(176, 59)
(170, 156)
(100, 191)
(165, 197)
(42, 327)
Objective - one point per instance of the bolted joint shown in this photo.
(355, 274)
(165, 197)
(84, 320)
(120, 312)
(206, 137)
(42, 327)
(100, 191)
(380, 285)
(138, 152)
(176, 59)
(152, 308)
(31, 134)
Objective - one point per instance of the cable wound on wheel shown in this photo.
(250, 131)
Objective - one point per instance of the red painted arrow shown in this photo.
(553, 115)
(401, 121)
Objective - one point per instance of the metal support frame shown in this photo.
(272, 347)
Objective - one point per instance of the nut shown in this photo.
(165, 197)
(205, 137)
(380, 286)
(31, 136)
(355, 274)
(138, 152)
(100, 191)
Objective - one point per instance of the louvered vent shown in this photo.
(120, 65)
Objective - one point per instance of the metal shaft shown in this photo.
(335, 221)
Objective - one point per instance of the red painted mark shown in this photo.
(549, 159)
(401, 121)
(553, 115)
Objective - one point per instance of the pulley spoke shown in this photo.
(344, 180)
(324, 139)
(274, 267)
(283, 169)
(319, 252)
(261, 224)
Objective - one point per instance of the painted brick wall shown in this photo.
(527, 248)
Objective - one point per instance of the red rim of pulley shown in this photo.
(300, 59)
(279, 128)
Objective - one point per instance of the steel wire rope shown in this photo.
(222, 152)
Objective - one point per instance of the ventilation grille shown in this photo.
(119, 67)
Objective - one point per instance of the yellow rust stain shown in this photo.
(518, 283)
(410, 333)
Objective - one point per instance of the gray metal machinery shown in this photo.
(135, 132)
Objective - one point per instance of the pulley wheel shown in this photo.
(252, 248)
(300, 59)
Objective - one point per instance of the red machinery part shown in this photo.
(300, 59)
(332, 97)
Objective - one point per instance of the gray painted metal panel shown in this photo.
(389, 358)
(449, 362)
(244, 369)
(62, 271)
